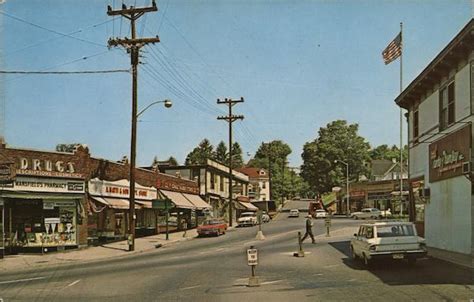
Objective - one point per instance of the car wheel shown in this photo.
(380, 217)
(353, 254)
(356, 217)
(366, 260)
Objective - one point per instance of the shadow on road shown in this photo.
(426, 271)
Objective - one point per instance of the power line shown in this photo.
(48, 29)
(63, 72)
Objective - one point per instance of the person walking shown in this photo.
(184, 225)
(309, 229)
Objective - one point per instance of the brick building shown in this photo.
(59, 200)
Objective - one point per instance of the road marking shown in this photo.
(74, 283)
(191, 287)
(21, 280)
(271, 282)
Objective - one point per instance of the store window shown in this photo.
(447, 106)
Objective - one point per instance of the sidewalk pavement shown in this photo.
(19, 262)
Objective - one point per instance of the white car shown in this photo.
(367, 213)
(389, 240)
(247, 219)
(294, 213)
(320, 213)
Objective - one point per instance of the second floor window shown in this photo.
(416, 125)
(446, 106)
(213, 183)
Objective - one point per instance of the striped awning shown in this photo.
(178, 199)
(197, 201)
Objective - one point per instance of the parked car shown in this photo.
(390, 240)
(320, 213)
(212, 227)
(294, 213)
(247, 219)
(371, 213)
(265, 217)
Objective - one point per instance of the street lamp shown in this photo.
(133, 151)
(347, 183)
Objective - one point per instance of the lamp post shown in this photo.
(347, 183)
(133, 151)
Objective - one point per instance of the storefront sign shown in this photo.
(120, 189)
(51, 204)
(48, 185)
(50, 168)
(177, 185)
(355, 194)
(7, 172)
(448, 155)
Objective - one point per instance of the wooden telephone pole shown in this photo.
(133, 46)
(230, 119)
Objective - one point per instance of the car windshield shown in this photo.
(395, 230)
(211, 222)
(246, 215)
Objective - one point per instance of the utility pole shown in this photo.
(230, 119)
(133, 46)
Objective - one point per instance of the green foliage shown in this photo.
(173, 161)
(237, 159)
(200, 154)
(337, 141)
(386, 152)
(221, 154)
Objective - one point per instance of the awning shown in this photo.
(178, 199)
(197, 201)
(146, 204)
(115, 203)
(248, 206)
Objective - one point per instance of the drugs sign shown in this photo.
(252, 256)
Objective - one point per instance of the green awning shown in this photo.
(328, 198)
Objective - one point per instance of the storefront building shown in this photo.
(440, 115)
(213, 180)
(42, 207)
(109, 209)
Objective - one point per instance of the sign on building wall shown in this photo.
(447, 155)
(7, 172)
(120, 189)
(47, 185)
(177, 185)
(46, 168)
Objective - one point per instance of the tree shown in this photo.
(172, 161)
(337, 141)
(237, 159)
(386, 152)
(273, 157)
(69, 148)
(200, 154)
(221, 154)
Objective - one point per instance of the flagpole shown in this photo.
(401, 120)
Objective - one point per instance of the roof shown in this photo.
(458, 49)
(381, 166)
(253, 172)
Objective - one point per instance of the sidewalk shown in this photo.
(13, 263)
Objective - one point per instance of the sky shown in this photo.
(298, 65)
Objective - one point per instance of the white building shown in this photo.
(440, 115)
(259, 186)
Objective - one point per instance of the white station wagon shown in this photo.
(389, 240)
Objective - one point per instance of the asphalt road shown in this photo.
(215, 269)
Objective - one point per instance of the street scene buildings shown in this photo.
(326, 183)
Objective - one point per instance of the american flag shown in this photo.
(393, 50)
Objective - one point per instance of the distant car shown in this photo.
(212, 227)
(367, 213)
(390, 240)
(247, 219)
(294, 213)
(320, 213)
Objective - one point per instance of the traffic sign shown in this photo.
(252, 256)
